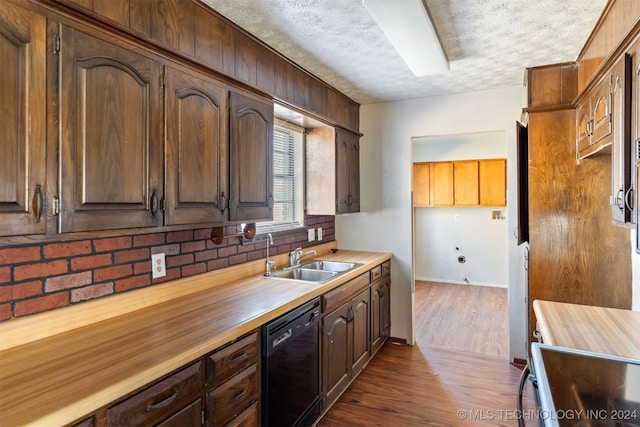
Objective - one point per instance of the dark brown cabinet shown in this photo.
(622, 147)
(111, 136)
(197, 158)
(347, 172)
(251, 139)
(345, 345)
(593, 119)
(22, 134)
(172, 399)
(233, 384)
(345, 336)
(381, 309)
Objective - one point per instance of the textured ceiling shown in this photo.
(489, 42)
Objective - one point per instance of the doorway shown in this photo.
(461, 257)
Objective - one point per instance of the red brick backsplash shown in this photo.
(41, 277)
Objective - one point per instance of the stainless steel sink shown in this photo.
(305, 274)
(337, 266)
(314, 271)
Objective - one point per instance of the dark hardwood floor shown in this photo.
(430, 385)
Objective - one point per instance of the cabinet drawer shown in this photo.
(233, 397)
(249, 418)
(189, 416)
(386, 268)
(160, 400)
(376, 273)
(335, 298)
(227, 362)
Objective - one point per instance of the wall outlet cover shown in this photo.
(158, 266)
(319, 233)
(312, 234)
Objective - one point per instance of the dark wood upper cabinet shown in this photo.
(197, 160)
(251, 140)
(347, 172)
(622, 147)
(111, 136)
(22, 134)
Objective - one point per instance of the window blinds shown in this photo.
(288, 180)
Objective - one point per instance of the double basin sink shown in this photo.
(315, 271)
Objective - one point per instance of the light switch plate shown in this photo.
(311, 233)
(319, 234)
(158, 266)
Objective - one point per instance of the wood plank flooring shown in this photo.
(473, 319)
(430, 385)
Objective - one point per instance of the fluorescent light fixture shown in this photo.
(407, 25)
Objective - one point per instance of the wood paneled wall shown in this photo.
(576, 254)
(193, 30)
(617, 19)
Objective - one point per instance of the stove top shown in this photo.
(580, 388)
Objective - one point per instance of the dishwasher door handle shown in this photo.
(281, 338)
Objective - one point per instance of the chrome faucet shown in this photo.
(296, 255)
(269, 264)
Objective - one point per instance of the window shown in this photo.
(288, 179)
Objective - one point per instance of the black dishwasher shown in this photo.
(290, 368)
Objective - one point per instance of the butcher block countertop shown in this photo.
(62, 365)
(599, 329)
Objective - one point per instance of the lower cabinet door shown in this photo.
(360, 332)
(336, 346)
(189, 416)
(376, 327)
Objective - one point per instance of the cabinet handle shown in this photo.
(270, 202)
(154, 204)
(349, 200)
(238, 396)
(163, 403)
(38, 203)
(239, 358)
(628, 199)
(222, 203)
(620, 199)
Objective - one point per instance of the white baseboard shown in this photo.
(460, 282)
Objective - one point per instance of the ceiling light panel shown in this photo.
(407, 25)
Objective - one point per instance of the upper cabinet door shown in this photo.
(197, 150)
(251, 139)
(493, 182)
(465, 183)
(621, 151)
(441, 183)
(22, 133)
(111, 126)
(347, 172)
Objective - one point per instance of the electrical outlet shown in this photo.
(456, 218)
(311, 234)
(158, 266)
(319, 233)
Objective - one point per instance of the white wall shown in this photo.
(385, 171)
(440, 241)
(443, 234)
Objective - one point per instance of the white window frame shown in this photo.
(288, 143)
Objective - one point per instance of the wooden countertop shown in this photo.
(57, 378)
(599, 329)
